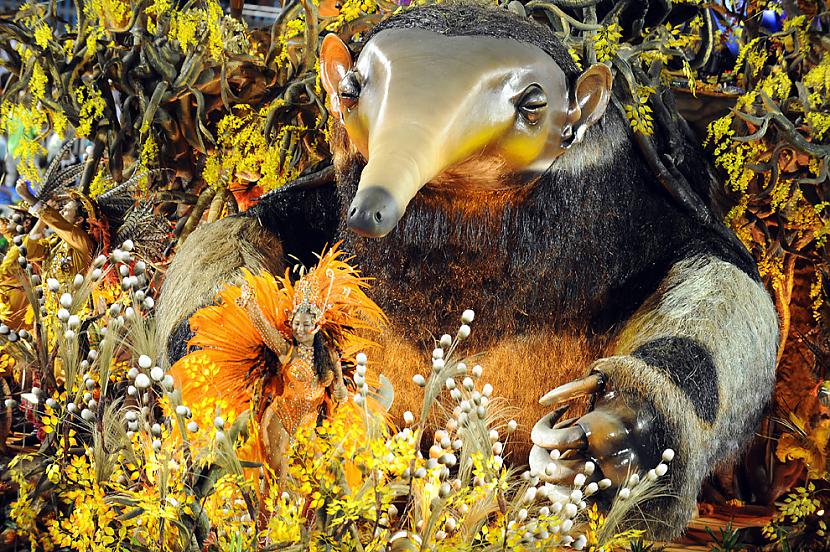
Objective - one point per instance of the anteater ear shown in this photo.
(591, 95)
(335, 61)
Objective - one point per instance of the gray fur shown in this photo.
(210, 259)
(599, 146)
(717, 305)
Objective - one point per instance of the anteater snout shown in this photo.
(373, 212)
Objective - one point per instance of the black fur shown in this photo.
(177, 342)
(305, 220)
(690, 366)
(570, 252)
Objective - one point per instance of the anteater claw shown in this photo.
(572, 390)
(554, 416)
(553, 471)
(572, 437)
(565, 423)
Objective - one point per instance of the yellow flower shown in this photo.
(607, 41)
(100, 184)
(196, 26)
(50, 422)
(59, 122)
(7, 362)
(37, 84)
(639, 114)
(92, 108)
(154, 11)
(53, 473)
(112, 14)
(575, 56)
(43, 33)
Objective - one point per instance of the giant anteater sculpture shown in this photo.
(478, 168)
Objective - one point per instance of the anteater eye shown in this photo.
(532, 104)
(349, 89)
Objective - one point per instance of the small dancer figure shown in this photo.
(276, 348)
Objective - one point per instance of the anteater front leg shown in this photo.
(693, 370)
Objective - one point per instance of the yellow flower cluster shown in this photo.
(91, 42)
(816, 295)
(607, 41)
(639, 114)
(770, 266)
(24, 510)
(27, 122)
(59, 123)
(243, 152)
(575, 56)
(100, 184)
(154, 11)
(37, 84)
(800, 503)
(777, 84)
(293, 29)
(194, 27)
(799, 28)
(736, 160)
(817, 80)
(754, 54)
(7, 362)
(619, 541)
(113, 15)
(92, 108)
(819, 124)
(285, 525)
(351, 10)
(148, 159)
(43, 34)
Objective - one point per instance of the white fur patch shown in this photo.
(717, 305)
(714, 303)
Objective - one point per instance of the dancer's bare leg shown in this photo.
(276, 440)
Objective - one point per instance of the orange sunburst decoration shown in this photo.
(236, 366)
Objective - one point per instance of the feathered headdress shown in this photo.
(333, 293)
(57, 180)
(112, 216)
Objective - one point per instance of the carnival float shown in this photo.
(369, 275)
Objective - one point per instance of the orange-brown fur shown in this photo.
(513, 367)
(482, 173)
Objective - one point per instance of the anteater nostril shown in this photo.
(373, 212)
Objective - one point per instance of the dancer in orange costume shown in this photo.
(275, 347)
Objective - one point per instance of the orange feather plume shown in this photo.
(231, 357)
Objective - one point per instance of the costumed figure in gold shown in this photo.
(276, 348)
(69, 229)
(71, 241)
(13, 302)
(83, 226)
(69, 249)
